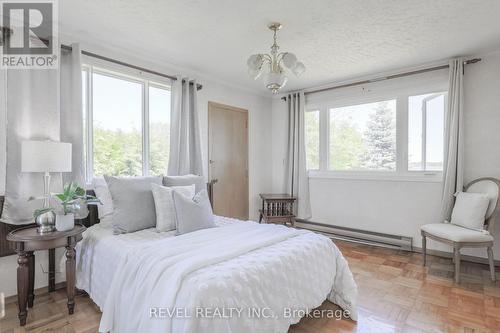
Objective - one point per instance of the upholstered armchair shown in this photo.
(460, 237)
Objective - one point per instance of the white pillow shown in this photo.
(166, 219)
(193, 214)
(470, 210)
(102, 192)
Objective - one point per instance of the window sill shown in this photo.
(426, 177)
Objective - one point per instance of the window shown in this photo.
(159, 129)
(117, 126)
(312, 139)
(426, 132)
(363, 137)
(84, 115)
(127, 124)
(390, 132)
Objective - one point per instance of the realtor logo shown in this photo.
(29, 34)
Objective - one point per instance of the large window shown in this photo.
(392, 134)
(363, 137)
(127, 124)
(426, 131)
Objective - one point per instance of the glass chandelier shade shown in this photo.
(275, 81)
(276, 63)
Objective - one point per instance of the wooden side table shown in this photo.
(27, 240)
(277, 208)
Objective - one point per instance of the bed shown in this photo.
(239, 277)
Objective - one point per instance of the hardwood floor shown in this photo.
(396, 294)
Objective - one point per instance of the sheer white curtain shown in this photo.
(296, 179)
(42, 104)
(185, 142)
(453, 168)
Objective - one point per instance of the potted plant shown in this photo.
(73, 200)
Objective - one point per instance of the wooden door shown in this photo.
(228, 159)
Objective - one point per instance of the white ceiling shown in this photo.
(336, 39)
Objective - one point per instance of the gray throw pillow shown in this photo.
(133, 203)
(186, 180)
(193, 214)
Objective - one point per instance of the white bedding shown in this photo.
(274, 271)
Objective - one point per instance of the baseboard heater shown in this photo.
(358, 236)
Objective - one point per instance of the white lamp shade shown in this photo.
(275, 81)
(255, 61)
(299, 68)
(45, 156)
(289, 60)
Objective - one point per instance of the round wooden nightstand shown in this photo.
(26, 241)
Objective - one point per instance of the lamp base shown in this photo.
(46, 223)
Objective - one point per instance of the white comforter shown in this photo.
(243, 277)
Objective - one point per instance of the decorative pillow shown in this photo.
(193, 214)
(166, 219)
(198, 181)
(134, 206)
(470, 210)
(102, 192)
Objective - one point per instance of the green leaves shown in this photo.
(79, 191)
(61, 197)
(71, 198)
(42, 211)
(71, 192)
(119, 153)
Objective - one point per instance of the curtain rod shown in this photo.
(142, 69)
(394, 76)
(6, 32)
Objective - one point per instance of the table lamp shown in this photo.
(46, 157)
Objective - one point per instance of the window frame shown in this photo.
(423, 116)
(146, 80)
(401, 173)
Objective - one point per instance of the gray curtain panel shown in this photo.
(453, 168)
(71, 114)
(296, 178)
(32, 113)
(185, 142)
(3, 127)
(33, 110)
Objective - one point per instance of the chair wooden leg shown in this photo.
(424, 249)
(456, 256)
(492, 262)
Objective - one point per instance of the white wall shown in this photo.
(401, 207)
(482, 125)
(260, 172)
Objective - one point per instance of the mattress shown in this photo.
(100, 251)
(298, 273)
